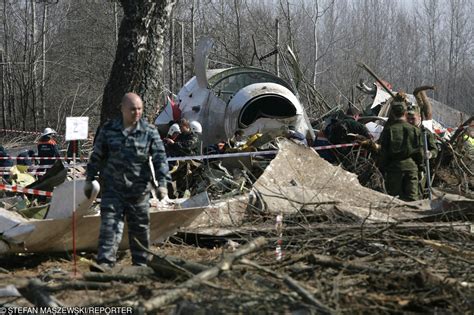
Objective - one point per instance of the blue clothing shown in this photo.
(123, 158)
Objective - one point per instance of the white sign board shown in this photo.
(77, 128)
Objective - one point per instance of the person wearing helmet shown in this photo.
(173, 132)
(196, 127)
(186, 143)
(48, 147)
(171, 136)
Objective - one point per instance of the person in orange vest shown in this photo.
(47, 146)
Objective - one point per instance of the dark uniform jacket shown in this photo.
(123, 160)
(186, 144)
(47, 147)
(353, 126)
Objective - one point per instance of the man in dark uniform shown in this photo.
(122, 152)
(48, 147)
(401, 155)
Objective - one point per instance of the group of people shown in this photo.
(47, 147)
(406, 147)
(128, 151)
(400, 151)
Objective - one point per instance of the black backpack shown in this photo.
(337, 131)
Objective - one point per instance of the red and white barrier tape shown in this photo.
(33, 158)
(224, 155)
(202, 157)
(26, 190)
(21, 131)
(41, 167)
(31, 173)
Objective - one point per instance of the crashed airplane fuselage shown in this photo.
(225, 100)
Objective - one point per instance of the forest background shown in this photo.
(56, 55)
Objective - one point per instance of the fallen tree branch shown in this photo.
(137, 275)
(170, 267)
(292, 284)
(226, 264)
(36, 293)
(328, 261)
(80, 285)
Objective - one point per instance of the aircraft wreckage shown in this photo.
(284, 187)
(225, 100)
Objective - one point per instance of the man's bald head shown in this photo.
(130, 97)
(131, 108)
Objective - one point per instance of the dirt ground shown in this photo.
(346, 268)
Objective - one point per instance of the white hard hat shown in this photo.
(174, 128)
(48, 131)
(195, 126)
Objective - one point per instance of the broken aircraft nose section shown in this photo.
(226, 100)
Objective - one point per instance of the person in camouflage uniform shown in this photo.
(353, 126)
(400, 155)
(122, 151)
(414, 119)
(186, 144)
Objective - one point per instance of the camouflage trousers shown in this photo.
(403, 184)
(114, 211)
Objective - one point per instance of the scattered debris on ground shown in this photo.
(340, 248)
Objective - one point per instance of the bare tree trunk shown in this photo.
(4, 98)
(239, 31)
(315, 34)
(193, 31)
(32, 61)
(44, 120)
(433, 16)
(5, 84)
(116, 29)
(24, 88)
(138, 61)
(182, 54)
(277, 47)
(171, 54)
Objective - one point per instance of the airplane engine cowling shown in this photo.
(268, 102)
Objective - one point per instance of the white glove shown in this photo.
(162, 193)
(88, 187)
